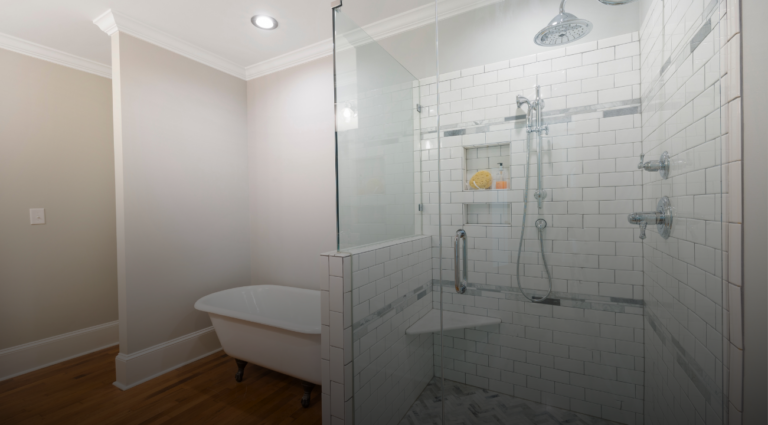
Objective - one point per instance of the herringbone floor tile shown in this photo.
(466, 405)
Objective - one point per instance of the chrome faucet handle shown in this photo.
(643, 218)
(662, 165)
(662, 218)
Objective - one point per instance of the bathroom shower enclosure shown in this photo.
(589, 287)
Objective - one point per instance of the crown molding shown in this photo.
(111, 22)
(422, 16)
(58, 57)
(406, 21)
(290, 59)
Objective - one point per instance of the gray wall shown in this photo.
(182, 189)
(292, 174)
(755, 102)
(55, 153)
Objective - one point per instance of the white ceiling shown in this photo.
(220, 26)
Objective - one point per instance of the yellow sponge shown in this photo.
(481, 180)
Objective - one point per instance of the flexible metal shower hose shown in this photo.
(522, 233)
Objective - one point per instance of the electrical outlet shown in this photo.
(37, 216)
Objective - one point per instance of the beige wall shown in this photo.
(55, 153)
(182, 189)
(292, 174)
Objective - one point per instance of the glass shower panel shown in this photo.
(380, 226)
(686, 281)
(376, 127)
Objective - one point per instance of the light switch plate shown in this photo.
(37, 216)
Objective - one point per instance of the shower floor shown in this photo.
(466, 405)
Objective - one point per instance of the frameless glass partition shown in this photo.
(379, 223)
(569, 161)
(378, 194)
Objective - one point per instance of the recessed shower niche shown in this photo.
(491, 159)
(486, 198)
(488, 214)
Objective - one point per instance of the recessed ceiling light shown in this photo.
(264, 22)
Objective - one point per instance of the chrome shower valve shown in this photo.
(662, 218)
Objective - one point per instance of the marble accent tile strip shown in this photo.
(586, 301)
(699, 37)
(621, 112)
(363, 326)
(659, 82)
(706, 386)
(550, 117)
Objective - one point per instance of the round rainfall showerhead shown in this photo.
(615, 2)
(563, 29)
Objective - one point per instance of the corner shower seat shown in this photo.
(451, 320)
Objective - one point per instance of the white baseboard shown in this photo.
(21, 359)
(141, 366)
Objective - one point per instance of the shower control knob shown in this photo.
(662, 165)
(662, 218)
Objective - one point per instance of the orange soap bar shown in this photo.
(501, 185)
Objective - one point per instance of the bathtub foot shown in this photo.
(240, 369)
(307, 393)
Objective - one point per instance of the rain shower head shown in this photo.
(563, 29)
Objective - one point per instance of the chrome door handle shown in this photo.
(461, 282)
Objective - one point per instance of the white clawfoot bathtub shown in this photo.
(276, 327)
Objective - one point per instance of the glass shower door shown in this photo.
(632, 330)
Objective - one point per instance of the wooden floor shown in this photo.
(80, 391)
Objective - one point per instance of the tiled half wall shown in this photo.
(375, 293)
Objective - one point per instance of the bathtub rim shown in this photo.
(314, 329)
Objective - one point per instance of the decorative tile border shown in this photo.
(708, 388)
(550, 117)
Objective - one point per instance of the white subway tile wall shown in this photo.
(390, 285)
(335, 339)
(685, 112)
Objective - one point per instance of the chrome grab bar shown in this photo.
(461, 283)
